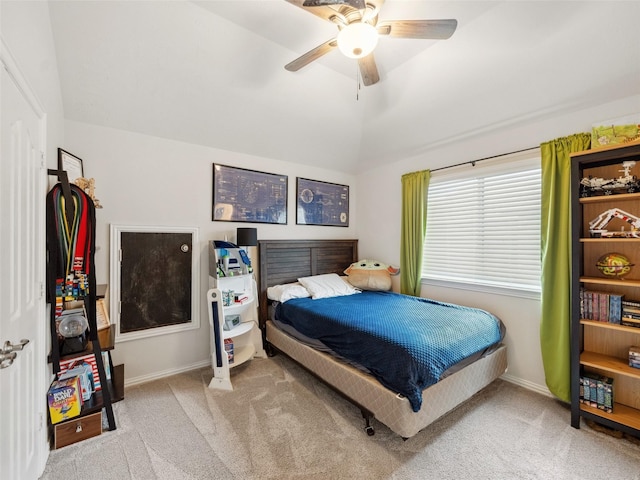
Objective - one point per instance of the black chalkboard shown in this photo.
(155, 280)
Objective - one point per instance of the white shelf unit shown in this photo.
(246, 336)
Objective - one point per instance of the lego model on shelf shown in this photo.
(232, 303)
(605, 386)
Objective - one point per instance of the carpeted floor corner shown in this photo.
(279, 422)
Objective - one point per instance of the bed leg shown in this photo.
(367, 420)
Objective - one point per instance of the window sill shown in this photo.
(475, 287)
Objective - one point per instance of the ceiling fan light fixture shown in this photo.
(357, 40)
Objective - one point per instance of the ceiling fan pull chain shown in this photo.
(357, 82)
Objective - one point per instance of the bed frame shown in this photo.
(284, 261)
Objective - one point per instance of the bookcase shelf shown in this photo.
(599, 347)
(621, 415)
(609, 364)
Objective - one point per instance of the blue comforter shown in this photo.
(405, 342)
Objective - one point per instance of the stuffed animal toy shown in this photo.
(89, 186)
(371, 275)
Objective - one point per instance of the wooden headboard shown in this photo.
(284, 261)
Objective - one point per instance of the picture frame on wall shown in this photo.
(321, 203)
(242, 195)
(70, 164)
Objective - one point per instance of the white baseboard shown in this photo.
(527, 384)
(205, 363)
(165, 373)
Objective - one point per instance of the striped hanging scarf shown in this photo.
(74, 239)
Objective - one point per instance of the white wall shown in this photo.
(379, 221)
(26, 30)
(149, 181)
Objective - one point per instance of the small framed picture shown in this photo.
(70, 164)
(102, 319)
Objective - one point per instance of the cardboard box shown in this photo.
(84, 373)
(228, 346)
(64, 399)
(89, 359)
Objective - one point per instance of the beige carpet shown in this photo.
(281, 423)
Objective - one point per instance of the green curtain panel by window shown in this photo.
(555, 326)
(415, 186)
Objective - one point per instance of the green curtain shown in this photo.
(555, 326)
(415, 186)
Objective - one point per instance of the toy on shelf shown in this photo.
(627, 183)
(614, 265)
(598, 224)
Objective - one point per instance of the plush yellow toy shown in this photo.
(371, 275)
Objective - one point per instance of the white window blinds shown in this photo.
(485, 230)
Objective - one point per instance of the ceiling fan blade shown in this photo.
(368, 70)
(426, 29)
(311, 55)
(359, 4)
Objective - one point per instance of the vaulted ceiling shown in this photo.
(212, 73)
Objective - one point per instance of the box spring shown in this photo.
(386, 406)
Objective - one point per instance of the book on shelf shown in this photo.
(631, 303)
(584, 390)
(634, 357)
(601, 306)
(597, 391)
(630, 322)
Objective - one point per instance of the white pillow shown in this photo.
(287, 291)
(328, 285)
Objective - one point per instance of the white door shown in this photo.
(23, 437)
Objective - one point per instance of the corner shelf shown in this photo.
(246, 337)
(237, 331)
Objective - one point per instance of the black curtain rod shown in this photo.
(473, 162)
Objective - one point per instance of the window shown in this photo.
(483, 228)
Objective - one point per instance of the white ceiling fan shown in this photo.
(359, 30)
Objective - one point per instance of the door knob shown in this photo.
(6, 359)
(13, 347)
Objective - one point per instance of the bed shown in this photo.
(283, 262)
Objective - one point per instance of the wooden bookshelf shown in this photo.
(600, 347)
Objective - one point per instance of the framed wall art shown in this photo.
(321, 203)
(70, 164)
(241, 195)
